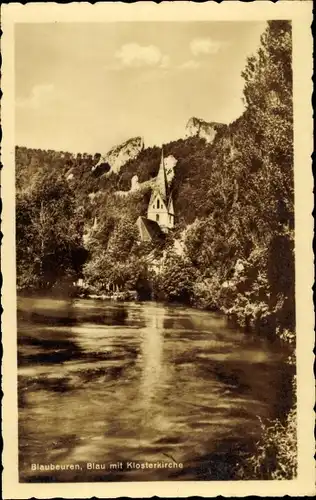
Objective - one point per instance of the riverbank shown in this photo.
(250, 315)
(71, 291)
(128, 296)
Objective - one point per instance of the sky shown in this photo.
(86, 87)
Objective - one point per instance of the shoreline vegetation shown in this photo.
(232, 248)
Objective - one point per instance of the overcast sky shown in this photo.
(88, 87)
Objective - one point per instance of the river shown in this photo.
(114, 384)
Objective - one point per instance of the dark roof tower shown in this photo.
(161, 180)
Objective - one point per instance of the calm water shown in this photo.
(104, 383)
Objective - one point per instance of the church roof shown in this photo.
(161, 184)
(149, 229)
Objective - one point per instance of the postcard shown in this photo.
(157, 251)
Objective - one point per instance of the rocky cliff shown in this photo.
(119, 155)
(170, 162)
(203, 129)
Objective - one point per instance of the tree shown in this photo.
(49, 233)
(268, 96)
(177, 279)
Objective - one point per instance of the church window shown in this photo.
(158, 204)
(157, 217)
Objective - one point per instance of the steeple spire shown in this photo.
(161, 180)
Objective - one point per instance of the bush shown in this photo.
(206, 293)
(276, 455)
(175, 282)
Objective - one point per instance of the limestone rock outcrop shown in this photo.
(119, 155)
(201, 128)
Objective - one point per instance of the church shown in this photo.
(160, 212)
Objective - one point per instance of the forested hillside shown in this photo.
(233, 205)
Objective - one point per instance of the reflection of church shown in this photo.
(153, 367)
(160, 212)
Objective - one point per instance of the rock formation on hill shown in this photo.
(119, 155)
(203, 129)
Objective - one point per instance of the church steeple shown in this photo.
(160, 208)
(161, 180)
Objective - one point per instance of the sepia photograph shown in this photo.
(155, 251)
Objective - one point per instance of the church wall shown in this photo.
(163, 219)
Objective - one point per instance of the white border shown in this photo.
(301, 15)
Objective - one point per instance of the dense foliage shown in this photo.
(49, 230)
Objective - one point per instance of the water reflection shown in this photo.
(152, 363)
(138, 382)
